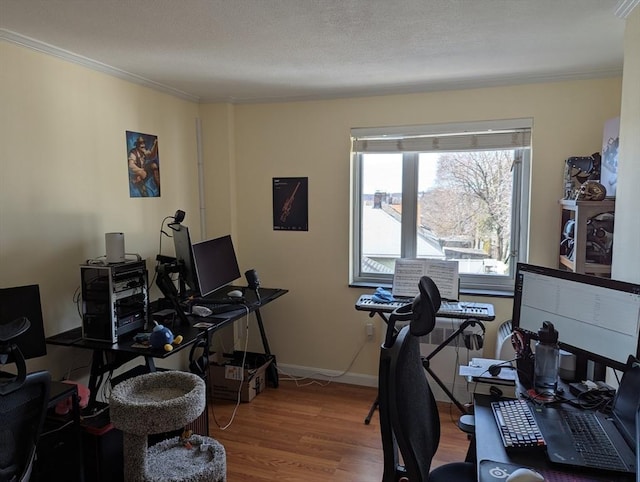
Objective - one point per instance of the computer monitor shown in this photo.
(638, 443)
(184, 256)
(216, 264)
(24, 301)
(597, 318)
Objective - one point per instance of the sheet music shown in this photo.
(407, 274)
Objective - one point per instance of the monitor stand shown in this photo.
(589, 370)
(168, 289)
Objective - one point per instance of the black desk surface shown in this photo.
(60, 391)
(489, 448)
(190, 334)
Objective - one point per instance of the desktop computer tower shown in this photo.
(115, 299)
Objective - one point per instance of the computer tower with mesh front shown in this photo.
(115, 299)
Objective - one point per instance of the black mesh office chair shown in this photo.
(23, 406)
(409, 419)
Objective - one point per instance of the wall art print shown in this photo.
(609, 168)
(143, 163)
(291, 204)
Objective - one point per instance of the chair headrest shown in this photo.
(425, 306)
(421, 313)
(10, 353)
(13, 329)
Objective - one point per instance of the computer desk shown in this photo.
(489, 448)
(108, 357)
(60, 391)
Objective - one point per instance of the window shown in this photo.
(455, 191)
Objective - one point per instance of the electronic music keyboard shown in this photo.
(448, 309)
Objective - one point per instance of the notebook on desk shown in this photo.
(568, 444)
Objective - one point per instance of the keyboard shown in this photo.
(448, 309)
(592, 442)
(518, 428)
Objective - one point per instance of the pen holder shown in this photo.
(525, 366)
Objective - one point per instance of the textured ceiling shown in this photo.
(272, 50)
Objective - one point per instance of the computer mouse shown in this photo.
(201, 311)
(235, 294)
(525, 475)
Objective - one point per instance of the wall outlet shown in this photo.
(369, 330)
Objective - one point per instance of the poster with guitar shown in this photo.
(291, 204)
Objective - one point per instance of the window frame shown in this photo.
(470, 284)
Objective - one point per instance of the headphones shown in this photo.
(199, 364)
(474, 341)
(495, 369)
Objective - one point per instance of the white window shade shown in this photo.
(435, 138)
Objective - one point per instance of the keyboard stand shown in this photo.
(470, 322)
(426, 360)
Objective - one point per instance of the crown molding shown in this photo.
(48, 49)
(624, 7)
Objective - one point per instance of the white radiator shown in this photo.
(446, 362)
(504, 348)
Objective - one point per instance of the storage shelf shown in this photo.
(580, 212)
(591, 268)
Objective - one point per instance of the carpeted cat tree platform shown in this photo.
(162, 402)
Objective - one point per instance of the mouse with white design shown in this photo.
(235, 294)
(202, 311)
(525, 475)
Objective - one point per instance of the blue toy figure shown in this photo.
(162, 338)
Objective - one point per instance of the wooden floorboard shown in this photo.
(312, 433)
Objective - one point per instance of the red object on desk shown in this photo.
(64, 406)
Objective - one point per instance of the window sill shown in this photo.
(485, 293)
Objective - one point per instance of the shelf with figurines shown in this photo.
(587, 219)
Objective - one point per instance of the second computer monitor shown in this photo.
(216, 264)
(24, 301)
(184, 256)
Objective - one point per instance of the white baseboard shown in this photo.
(297, 371)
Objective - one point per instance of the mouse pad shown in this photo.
(491, 471)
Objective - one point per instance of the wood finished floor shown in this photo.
(312, 433)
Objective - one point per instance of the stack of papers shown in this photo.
(478, 370)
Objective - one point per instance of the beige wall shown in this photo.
(64, 184)
(316, 324)
(64, 178)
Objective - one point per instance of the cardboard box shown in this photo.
(226, 373)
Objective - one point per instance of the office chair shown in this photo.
(409, 419)
(23, 406)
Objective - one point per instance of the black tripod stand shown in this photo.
(426, 363)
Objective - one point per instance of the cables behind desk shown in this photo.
(244, 359)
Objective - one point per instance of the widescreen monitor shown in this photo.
(24, 301)
(216, 264)
(597, 318)
(184, 255)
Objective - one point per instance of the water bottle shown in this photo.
(545, 379)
